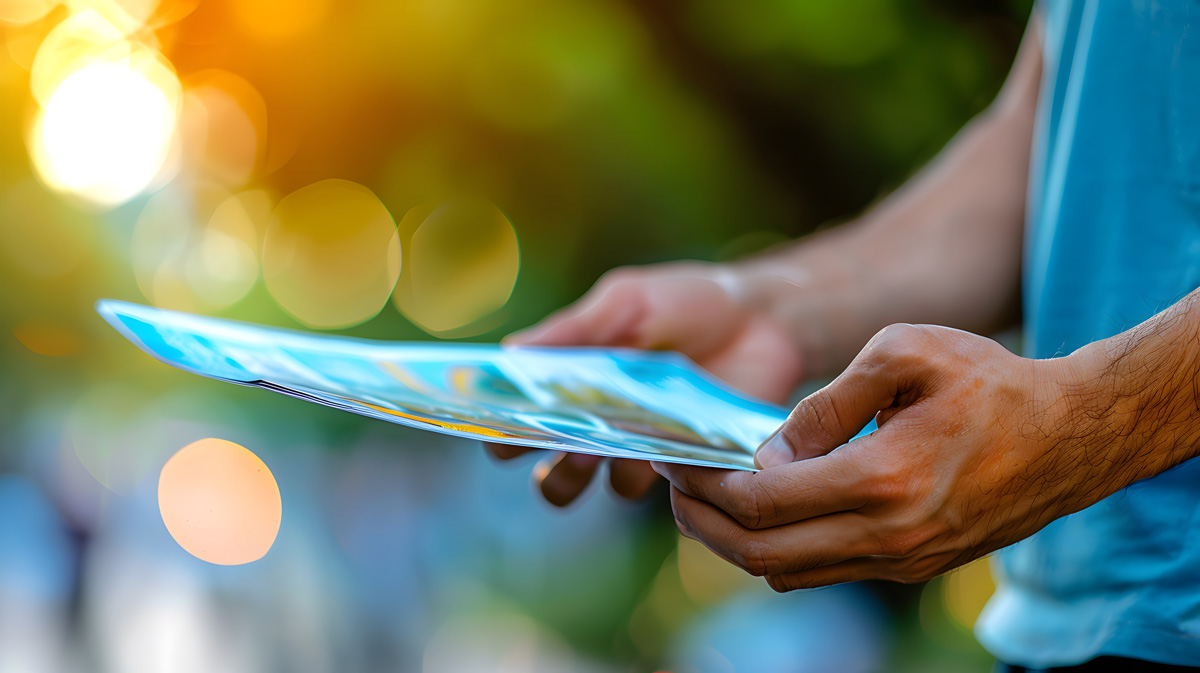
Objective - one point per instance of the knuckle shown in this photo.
(676, 507)
(883, 484)
(681, 520)
(897, 332)
(918, 571)
(823, 405)
(916, 576)
(904, 540)
(897, 545)
(757, 558)
(780, 584)
(897, 341)
(929, 567)
(624, 275)
(751, 508)
(818, 408)
(684, 529)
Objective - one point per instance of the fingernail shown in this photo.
(775, 451)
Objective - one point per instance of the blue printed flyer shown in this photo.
(613, 402)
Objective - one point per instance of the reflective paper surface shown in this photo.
(612, 402)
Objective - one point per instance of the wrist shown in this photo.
(1113, 417)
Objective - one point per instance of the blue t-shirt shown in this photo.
(1113, 237)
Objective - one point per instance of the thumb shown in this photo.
(831, 416)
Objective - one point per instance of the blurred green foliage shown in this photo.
(610, 132)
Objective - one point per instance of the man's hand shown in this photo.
(976, 449)
(692, 308)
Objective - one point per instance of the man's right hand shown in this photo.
(690, 307)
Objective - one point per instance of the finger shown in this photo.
(680, 314)
(785, 549)
(833, 415)
(507, 451)
(776, 496)
(606, 316)
(561, 477)
(854, 570)
(653, 313)
(631, 478)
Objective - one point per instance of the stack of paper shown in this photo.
(612, 402)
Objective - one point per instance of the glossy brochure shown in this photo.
(612, 402)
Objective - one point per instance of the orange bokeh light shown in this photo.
(220, 502)
(223, 126)
(47, 338)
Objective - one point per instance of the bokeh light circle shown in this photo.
(223, 126)
(128, 16)
(460, 264)
(81, 39)
(47, 338)
(111, 434)
(332, 254)
(966, 591)
(196, 249)
(18, 12)
(220, 502)
(104, 133)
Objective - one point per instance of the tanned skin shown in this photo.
(944, 249)
(977, 448)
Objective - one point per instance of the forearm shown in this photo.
(1133, 407)
(945, 249)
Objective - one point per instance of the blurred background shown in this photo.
(267, 160)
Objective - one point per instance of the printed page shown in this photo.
(613, 402)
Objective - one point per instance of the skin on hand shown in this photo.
(944, 249)
(977, 448)
(692, 308)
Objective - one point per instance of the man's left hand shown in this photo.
(975, 450)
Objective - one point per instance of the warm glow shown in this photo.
(127, 15)
(967, 590)
(220, 502)
(22, 42)
(23, 11)
(104, 133)
(460, 264)
(331, 255)
(81, 39)
(198, 249)
(277, 19)
(707, 578)
(47, 338)
(223, 125)
(224, 266)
